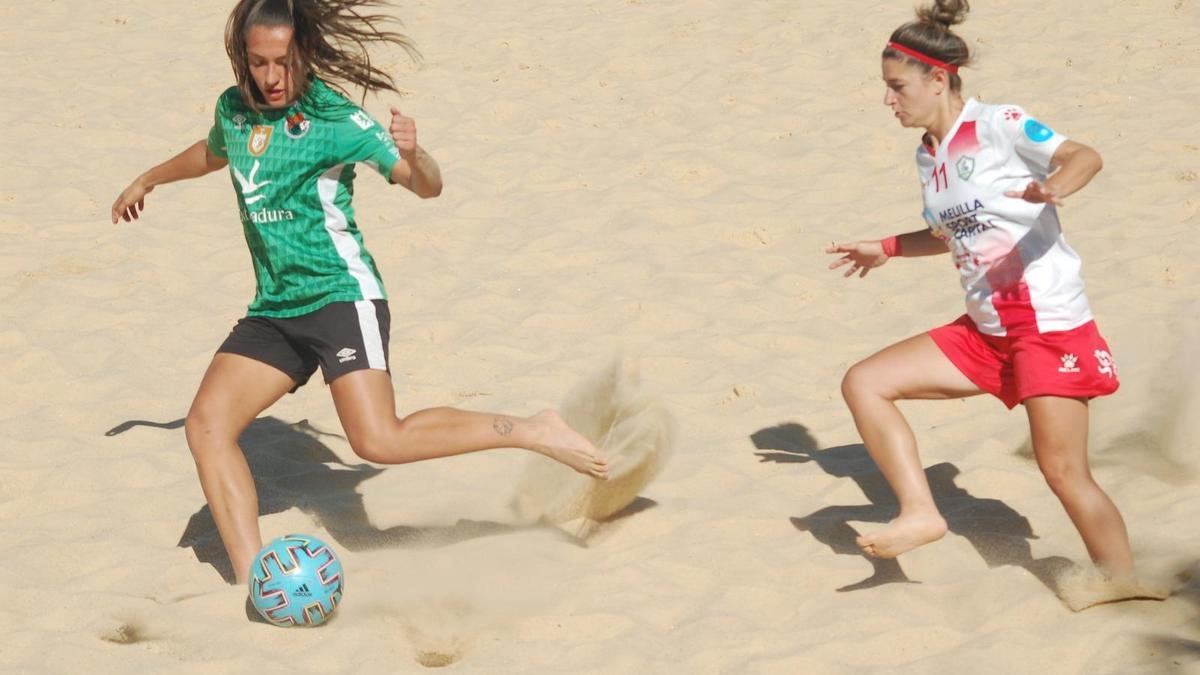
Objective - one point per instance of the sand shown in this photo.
(646, 178)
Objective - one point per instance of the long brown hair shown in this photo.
(329, 40)
(930, 35)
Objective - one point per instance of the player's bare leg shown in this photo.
(366, 404)
(912, 369)
(1059, 429)
(235, 389)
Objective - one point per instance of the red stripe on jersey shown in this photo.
(965, 141)
(1010, 296)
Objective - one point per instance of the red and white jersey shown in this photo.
(1020, 276)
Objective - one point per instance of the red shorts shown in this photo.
(1071, 363)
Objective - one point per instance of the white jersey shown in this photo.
(1020, 276)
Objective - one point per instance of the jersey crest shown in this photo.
(965, 166)
(297, 126)
(260, 138)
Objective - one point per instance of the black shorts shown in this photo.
(341, 337)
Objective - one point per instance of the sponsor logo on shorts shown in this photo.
(1107, 365)
(347, 354)
(260, 138)
(1068, 364)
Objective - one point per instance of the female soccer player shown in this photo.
(991, 178)
(291, 144)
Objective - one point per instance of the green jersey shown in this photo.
(293, 172)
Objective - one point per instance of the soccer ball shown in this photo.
(296, 580)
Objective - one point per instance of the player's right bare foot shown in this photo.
(903, 534)
(562, 443)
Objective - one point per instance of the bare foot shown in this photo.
(903, 534)
(562, 443)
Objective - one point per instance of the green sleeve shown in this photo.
(216, 135)
(362, 139)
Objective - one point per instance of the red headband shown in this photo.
(927, 60)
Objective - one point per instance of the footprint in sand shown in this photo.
(124, 633)
(439, 630)
(435, 658)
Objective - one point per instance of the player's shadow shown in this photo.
(292, 468)
(997, 532)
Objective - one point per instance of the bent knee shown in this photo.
(368, 449)
(205, 424)
(201, 422)
(862, 381)
(380, 445)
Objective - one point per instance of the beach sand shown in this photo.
(645, 178)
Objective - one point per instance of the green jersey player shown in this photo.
(293, 171)
(292, 144)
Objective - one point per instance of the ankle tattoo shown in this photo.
(503, 426)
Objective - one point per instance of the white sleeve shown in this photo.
(1033, 141)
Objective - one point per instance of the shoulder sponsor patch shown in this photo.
(362, 119)
(1037, 132)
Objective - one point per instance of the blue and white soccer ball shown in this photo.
(296, 580)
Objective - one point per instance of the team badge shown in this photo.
(297, 126)
(965, 166)
(260, 138)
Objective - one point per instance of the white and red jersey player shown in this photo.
(1019, 274)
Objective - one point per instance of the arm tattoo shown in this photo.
(503, 426)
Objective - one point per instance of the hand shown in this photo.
(862, 256)
(1036, 193)
(404, 134)
(130, 202)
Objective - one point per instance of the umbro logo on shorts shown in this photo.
(347, 354)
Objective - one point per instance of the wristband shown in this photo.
(891, 246)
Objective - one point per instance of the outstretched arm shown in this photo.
(416, 169)
(863, 256)
(194, 162)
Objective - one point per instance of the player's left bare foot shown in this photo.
(562, 443)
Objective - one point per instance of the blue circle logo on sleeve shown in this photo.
(1037, 132)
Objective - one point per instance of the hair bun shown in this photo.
(944, 13)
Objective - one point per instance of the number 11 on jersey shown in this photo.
(940, 181)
